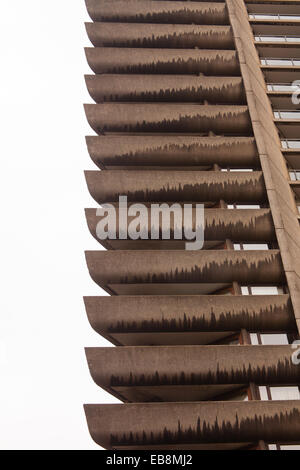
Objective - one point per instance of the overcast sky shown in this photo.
(43, 325)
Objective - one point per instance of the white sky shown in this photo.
(43, 326)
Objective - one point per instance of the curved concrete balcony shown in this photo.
(176, 186)
(164, 117)
(160, 35)
(189, 272)
(188, 373)
(198, 426)
(144, 11)
(168, 320)
(190, 152)
(171, 61)
(252, 225)
(169, 88)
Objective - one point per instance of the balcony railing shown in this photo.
(290, 144)
(295, 175)
(262, 16)
(293, 115)
(281, 62)
(262, 38)
(283, 87)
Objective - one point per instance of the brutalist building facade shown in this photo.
(196, 103)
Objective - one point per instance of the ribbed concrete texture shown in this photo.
(181, 116)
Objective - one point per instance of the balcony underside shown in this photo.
(180, 426)
(175, 393)
(165, 152)
(160, 35)
(189, 272)
(143, 11)
(166, 88)
(169, 320)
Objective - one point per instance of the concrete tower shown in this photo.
(195, 103)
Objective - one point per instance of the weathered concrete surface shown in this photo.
(169, 152)
(146, 11)
(176, 186)
(135, 316)
(192, 425)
